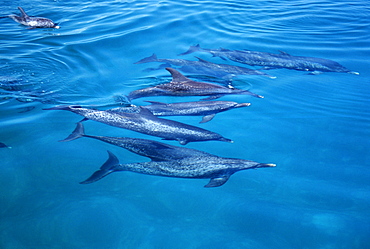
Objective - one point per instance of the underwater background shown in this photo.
(315, 128)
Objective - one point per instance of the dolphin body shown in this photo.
(33, 22)
(145, 122)
(203, 67)
(207, 109)
(182, 86)
(271, 61)
(167, 160)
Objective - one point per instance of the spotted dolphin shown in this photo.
(147, 123)
(182, 86)
(271, 61)
(167, 160)
(203, 67)
(207, 109)
(156, 150)
(33, 22)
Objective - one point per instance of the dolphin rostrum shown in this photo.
(271, 61)
(182, 86)
(33, 22)
(145, 122)
(207, 109)
(167, 160)
(203, 67)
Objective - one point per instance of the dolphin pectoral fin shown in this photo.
(314, 73)
(76, 133)
(207, 118)
(217, 181)
(108, 167)
(183, 141)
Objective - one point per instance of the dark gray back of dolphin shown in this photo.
(154, 150)
(145, 122)
(207, 109)
(217, 169)
(203, 67)
(270, 60)
(183, 86)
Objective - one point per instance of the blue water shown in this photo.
(316, 128)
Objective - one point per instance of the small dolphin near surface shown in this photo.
(32, 22)
(145, 122)
(207, 109)
(182, 86)
(167, 160)
(271, 61)
(204, 67)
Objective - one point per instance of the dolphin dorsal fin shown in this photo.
(144, 111)
(176, 75)
(24, 14)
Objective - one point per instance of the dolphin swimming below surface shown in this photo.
(32, 22)
(271, 61)
(156, 150)
(145, 122)
(182, 86)
(167, 160)
(207, 109)
(203, 67)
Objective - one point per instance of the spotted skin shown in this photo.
(207, 109)
(145, 122)
(183, 86)
(271, 61)
(33, 22)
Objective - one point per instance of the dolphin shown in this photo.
(182, 86)
(272, 61)
(167, 160)
(145, 122)
(156, 150)
(207, 109)
(32, 22)
(203, 67)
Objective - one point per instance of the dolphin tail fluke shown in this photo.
(192, 49)
(78, 132)
(108, 167)
(152, 58)
(24, 14)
